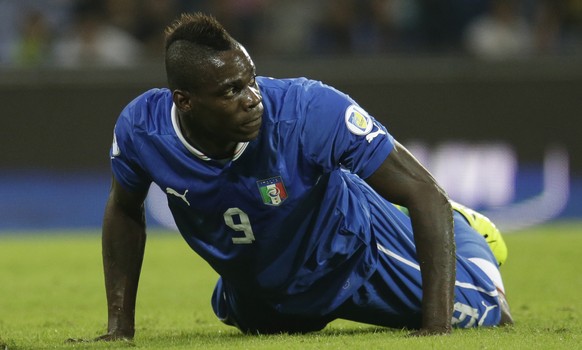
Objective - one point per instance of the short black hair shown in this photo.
(190, 39)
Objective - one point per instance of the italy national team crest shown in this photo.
(272, 190)
(358, 121)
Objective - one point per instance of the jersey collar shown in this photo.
(238, 151)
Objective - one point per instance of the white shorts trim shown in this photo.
(490, 270)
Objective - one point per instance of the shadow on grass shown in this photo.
(226, 338)
(234, 336)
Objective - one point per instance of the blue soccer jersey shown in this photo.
(286, 219)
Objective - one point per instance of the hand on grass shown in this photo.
(115, 336)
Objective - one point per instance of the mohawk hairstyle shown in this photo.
(191, 39)
(199, 29)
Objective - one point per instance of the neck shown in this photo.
(210, 148)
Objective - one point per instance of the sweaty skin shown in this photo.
(225, 109)
(402, 180)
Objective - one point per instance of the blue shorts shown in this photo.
(391, 297)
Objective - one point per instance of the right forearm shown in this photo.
(123, 244)
(435, 248)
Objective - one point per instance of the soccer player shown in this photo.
(285, 187)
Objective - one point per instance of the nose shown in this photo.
(253, 97)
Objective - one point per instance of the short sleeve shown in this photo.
(124, 154)
(337, 132)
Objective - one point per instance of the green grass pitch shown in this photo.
(51, 289)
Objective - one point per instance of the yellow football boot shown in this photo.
(487, 229)
(482, 225)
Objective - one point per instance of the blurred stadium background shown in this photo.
(486, 93)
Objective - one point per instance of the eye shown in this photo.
(235, 89)
(253, 81)
(232, 91)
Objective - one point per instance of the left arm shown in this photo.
(401, 179)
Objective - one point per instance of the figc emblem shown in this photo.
(272, 190)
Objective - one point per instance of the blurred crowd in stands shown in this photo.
(122, 33)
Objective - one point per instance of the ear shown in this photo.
(182, 100)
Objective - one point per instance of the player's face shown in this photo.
(227, 104)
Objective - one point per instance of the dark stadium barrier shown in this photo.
(489, 128)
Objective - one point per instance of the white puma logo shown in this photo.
(487, 309)
(374, 134)
(179, 195)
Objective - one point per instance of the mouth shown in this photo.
(255, 122)
(251, 128)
